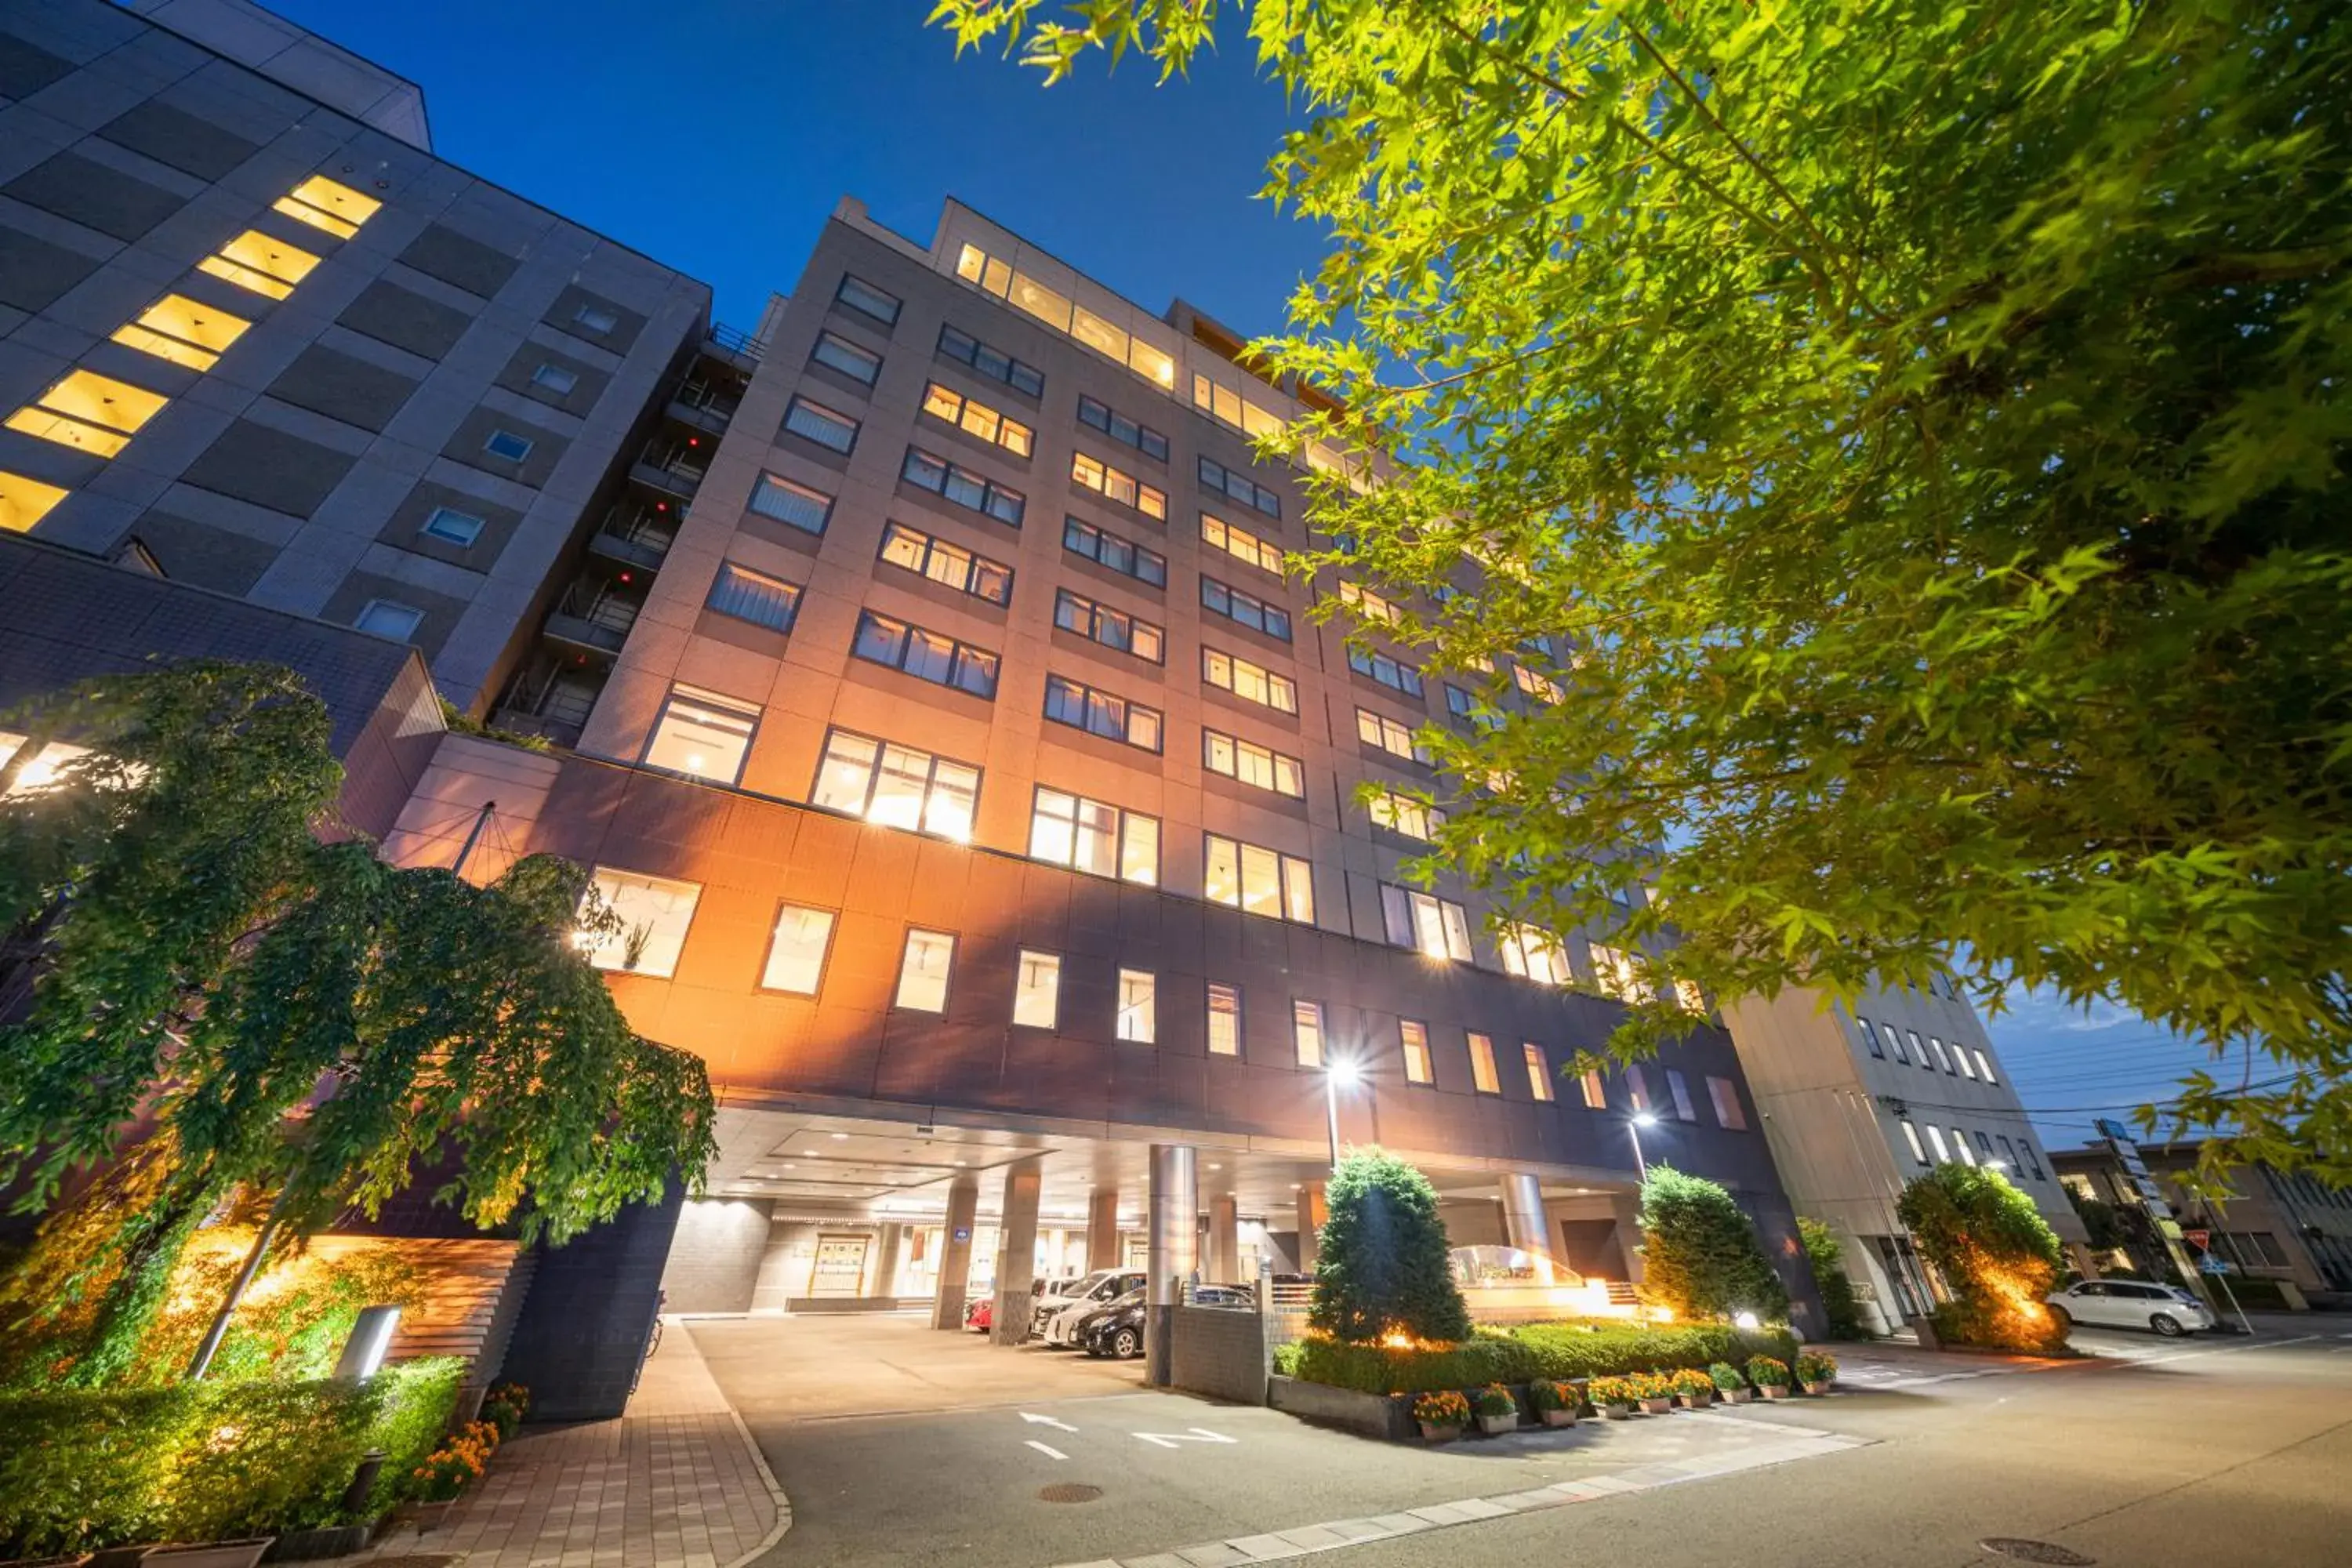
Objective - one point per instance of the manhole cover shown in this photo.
(2022, 1550)
(1068, 1491)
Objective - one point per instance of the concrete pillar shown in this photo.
(886, 1272)
(1016, 1251)
(1224, 1242)
(1102, 1228)
(1627, 1209)
(955, 1252)
(1313, 1210)
(1524, 1224)
(1172, 1218)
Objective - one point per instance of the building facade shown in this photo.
(2272, 1229)
(1858, 1100)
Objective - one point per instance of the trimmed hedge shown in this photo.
(85, 1469)
(1562, 1350)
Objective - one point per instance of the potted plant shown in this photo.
(1613, 1396)
(1554, 1402)
(1769, 1376)
(1442, 1413)
(1729, 1383)
(1693, 1387)
(1655, 1393)
(1497, 1412)
(1816, 1370)
(449, 1470)
(505, 1407)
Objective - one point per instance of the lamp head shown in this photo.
(1343, 1071)
(1645, 1119)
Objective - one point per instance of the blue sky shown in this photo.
(718, 143)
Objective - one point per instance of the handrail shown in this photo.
(736, 340)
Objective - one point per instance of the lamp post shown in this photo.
(1641, 1118)
(1335, 1073)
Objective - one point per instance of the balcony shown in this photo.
(705, 405)
(595, 615)
(731, 346)
(672, 465)
(635, 533)
(551, 697)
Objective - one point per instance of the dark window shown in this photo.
(1102, 417)
(868, 300)
(926, 655)
(780, 498)
(951, 563)
(1098, 712)
(993, 363)
(1112, 628)
(1108, 549)
(1249, 610)
(838, 353)
(1385, 670)
(1233, 482)
(960, 485)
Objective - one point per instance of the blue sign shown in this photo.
(963, 1233)
(2210, 1264)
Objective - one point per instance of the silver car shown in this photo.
(2130, 1304)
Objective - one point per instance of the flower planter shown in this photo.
(1774, 1390)
(1739, 1396)
(1495, 1425)
(79, 1560)
(1819, 1387)
(1559, 1417)
(1616, 1412)
(327, 1541)
(1429, 1434)
(245, 1553)
(121, 1556)
(1659, 1406)
(1696, 1400)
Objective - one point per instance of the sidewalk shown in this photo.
(674, 1483)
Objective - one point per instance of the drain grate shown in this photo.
(1068, 1491)
(2018, 1550)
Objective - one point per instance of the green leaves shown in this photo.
(1382, 1266)
(1699, 1253)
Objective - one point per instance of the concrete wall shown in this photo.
(714, 1261)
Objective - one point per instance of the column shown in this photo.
(1171, 1215)
(886, 1272)
(1626, 1207)
(955, 1252)
(1314, 1208)
(1102, 1229)
(1224, 1241)
(1525, 1225)
(1016, 1251)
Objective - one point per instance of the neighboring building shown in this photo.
(249, 321)
(1857, 1101)
(2273, 1228)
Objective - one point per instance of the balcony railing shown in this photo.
(594, 616)
(669, 466)
(736, 341)
(635, 534)
(704, 405)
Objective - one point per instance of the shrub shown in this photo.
(1694, 1385)
(1442, 1407)
(1767, 1372)
(1726, 1377)
(1568, 1350)
(1383, 1267)
(1699, 1253)
(1378, 1369)
(1286, 1357)
(504, 1407)
(1550, 1394)
(1613, 1391)
(1816, 1366)
(1494, 1400)
(1996, 1252)
(1560, 1350)
(1840, 1308)
(199, 1461)
(1650, 1385)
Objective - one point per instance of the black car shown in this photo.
(1116, 1330)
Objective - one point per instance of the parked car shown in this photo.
(1082, 1331)
(980, 1313)
(1057, 1328)
(1117, 1329)
(2130, 1304)
(1059, 1295)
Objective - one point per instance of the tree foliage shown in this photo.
(1919, 430)
(1699, 1253)
(1840, 1308)
(1997, 1255)
(1383, 1269)
(286, 1015)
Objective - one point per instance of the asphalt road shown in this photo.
(2205, 1454)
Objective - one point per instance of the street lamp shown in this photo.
(1336, 1073)
(1641, 1118)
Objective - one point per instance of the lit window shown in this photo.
(1483, 1076)
(1388, 671)
(1137, 1018)
(1112, 628)
(1911, 1136)
(1117, 484)
(91, 413)
(1532, 953)
(1306, 1033)
(1048, 305)
(325, 203)
(389, 618)
(1688, 996)
(834, 431)
(995, 363)
(895, 785)
(1108, 549)
(954, 482)
(1637, 1088)
(1894, 1042)
(1936, 1140)
(508, 447)
(805, 508)
(1241, 544)
(1870, 1038)
(1224, 1020)
(1431, 926)
(1618, 973)
(554, 378)
(1402, 813)
(1037, 990)
(1249, 680)
(451, 526)
(1248, 762)
(1415, 1039)
(1960, 1054)
(1262, 881)
(1024, 292)
(796, 954)
(1371, 605)
(595, 319)
(652, 915)
(1960, 1146)
(1246, 609)
(1101, 416)
(1943, 1059)
(952, 565)
(976, 418)
(866, 299)
(1235, 485)
(1539, 1071)
(837, 352)
(1097, 712)
(1727, 1110)
(265, 266)
(1095, 838)
(1984, 1065)
(926, 655)
(1395, 739)
(1596, 1094)
(24, 502)
(1678, 1090)
(177, 328)
(923, 970)
(702, 735)
(1541, 687)
(754, 596)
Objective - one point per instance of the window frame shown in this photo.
(868, 362)
(841, 296)
(1123, 833)
(1274, 763)
(1087, 696)
(1124, 1006)
(898, 1002)
(1219, 990)
(980, 358)
(1023, 990)
(1413, 1046)
(1290, 872)
(950, 472)
(1384, 726)
(1278, 684)
(792, 596)
(438, 512)
(1402, 677)
(823, 416)
(415, 619)
(1412, 911)
(1103, 485)
(1138, 553)
(500, 433)
(713, 705)
(1096, 615)
(874, 776)
(1253, 554)
(617, 943)
(824, 947)
(1301, 1026)
(771, 482)
(1272, 620)
(873, 625)
(996, 428)
(1486, 1076)
(1538, 1065)
(1143, 435)
(977, 568)
(1252, 495)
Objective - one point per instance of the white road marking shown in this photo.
(1047, 1421)
(1196, 1434)
(1049, 1453)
